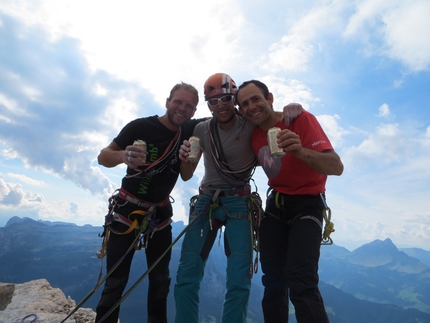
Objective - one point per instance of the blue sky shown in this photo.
(73, 73)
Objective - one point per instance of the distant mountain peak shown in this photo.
(17, 220)
(379, 246)
(386, 245)
(375, 253)
(384, 253)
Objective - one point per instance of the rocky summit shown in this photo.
(37, 301)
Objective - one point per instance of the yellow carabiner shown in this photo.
(329, 227)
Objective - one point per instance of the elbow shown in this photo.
(103, 161)
(337, 166)
(339, 169)
(186, 177)
(335, 169)
(99, 160)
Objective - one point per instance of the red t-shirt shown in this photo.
(289, 175)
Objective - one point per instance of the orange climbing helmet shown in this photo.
(219, 83)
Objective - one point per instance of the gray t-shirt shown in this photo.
(236, 144)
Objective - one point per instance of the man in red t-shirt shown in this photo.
(290, 232)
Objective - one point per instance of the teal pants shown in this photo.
(233, 213)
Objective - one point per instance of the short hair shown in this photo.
(263, 87)
(184, 86)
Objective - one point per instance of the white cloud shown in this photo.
(146, 42)
(13, 109)
(25, 179)
(291, 53)
(295, 49)
(332, 128)
(387, 145)
(69, 83)
(384, 110)
(408, 34)
(402, 26)
(13, 196)
(286, 91)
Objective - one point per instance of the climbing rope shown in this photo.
(140, 230)
(102, 280)
(28, 316)
(146, 273)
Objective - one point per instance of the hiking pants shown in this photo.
(290, 240)
(159, 280)
(233, 213)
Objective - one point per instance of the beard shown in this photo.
(175, 120)
(227, 120)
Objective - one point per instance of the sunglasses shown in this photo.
(225, 99)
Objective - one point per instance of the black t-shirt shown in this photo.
(156, 184)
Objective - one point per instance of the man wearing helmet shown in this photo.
(223, 201)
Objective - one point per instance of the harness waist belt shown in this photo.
(123, 194)
(122, 219)
(235, 191)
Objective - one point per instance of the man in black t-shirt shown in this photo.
(143, 200)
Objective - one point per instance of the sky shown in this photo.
(73, 73)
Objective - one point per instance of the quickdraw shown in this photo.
(326, 240)
(255, 212)
(329, 226)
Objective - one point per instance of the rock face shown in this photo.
(36, 301)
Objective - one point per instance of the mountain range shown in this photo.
(377, 282)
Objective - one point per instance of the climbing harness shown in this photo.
(326, 240)
(217, 192)
(126, 196)
(101, 279)
(254, 216)
(146, 273)
(140, 221)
